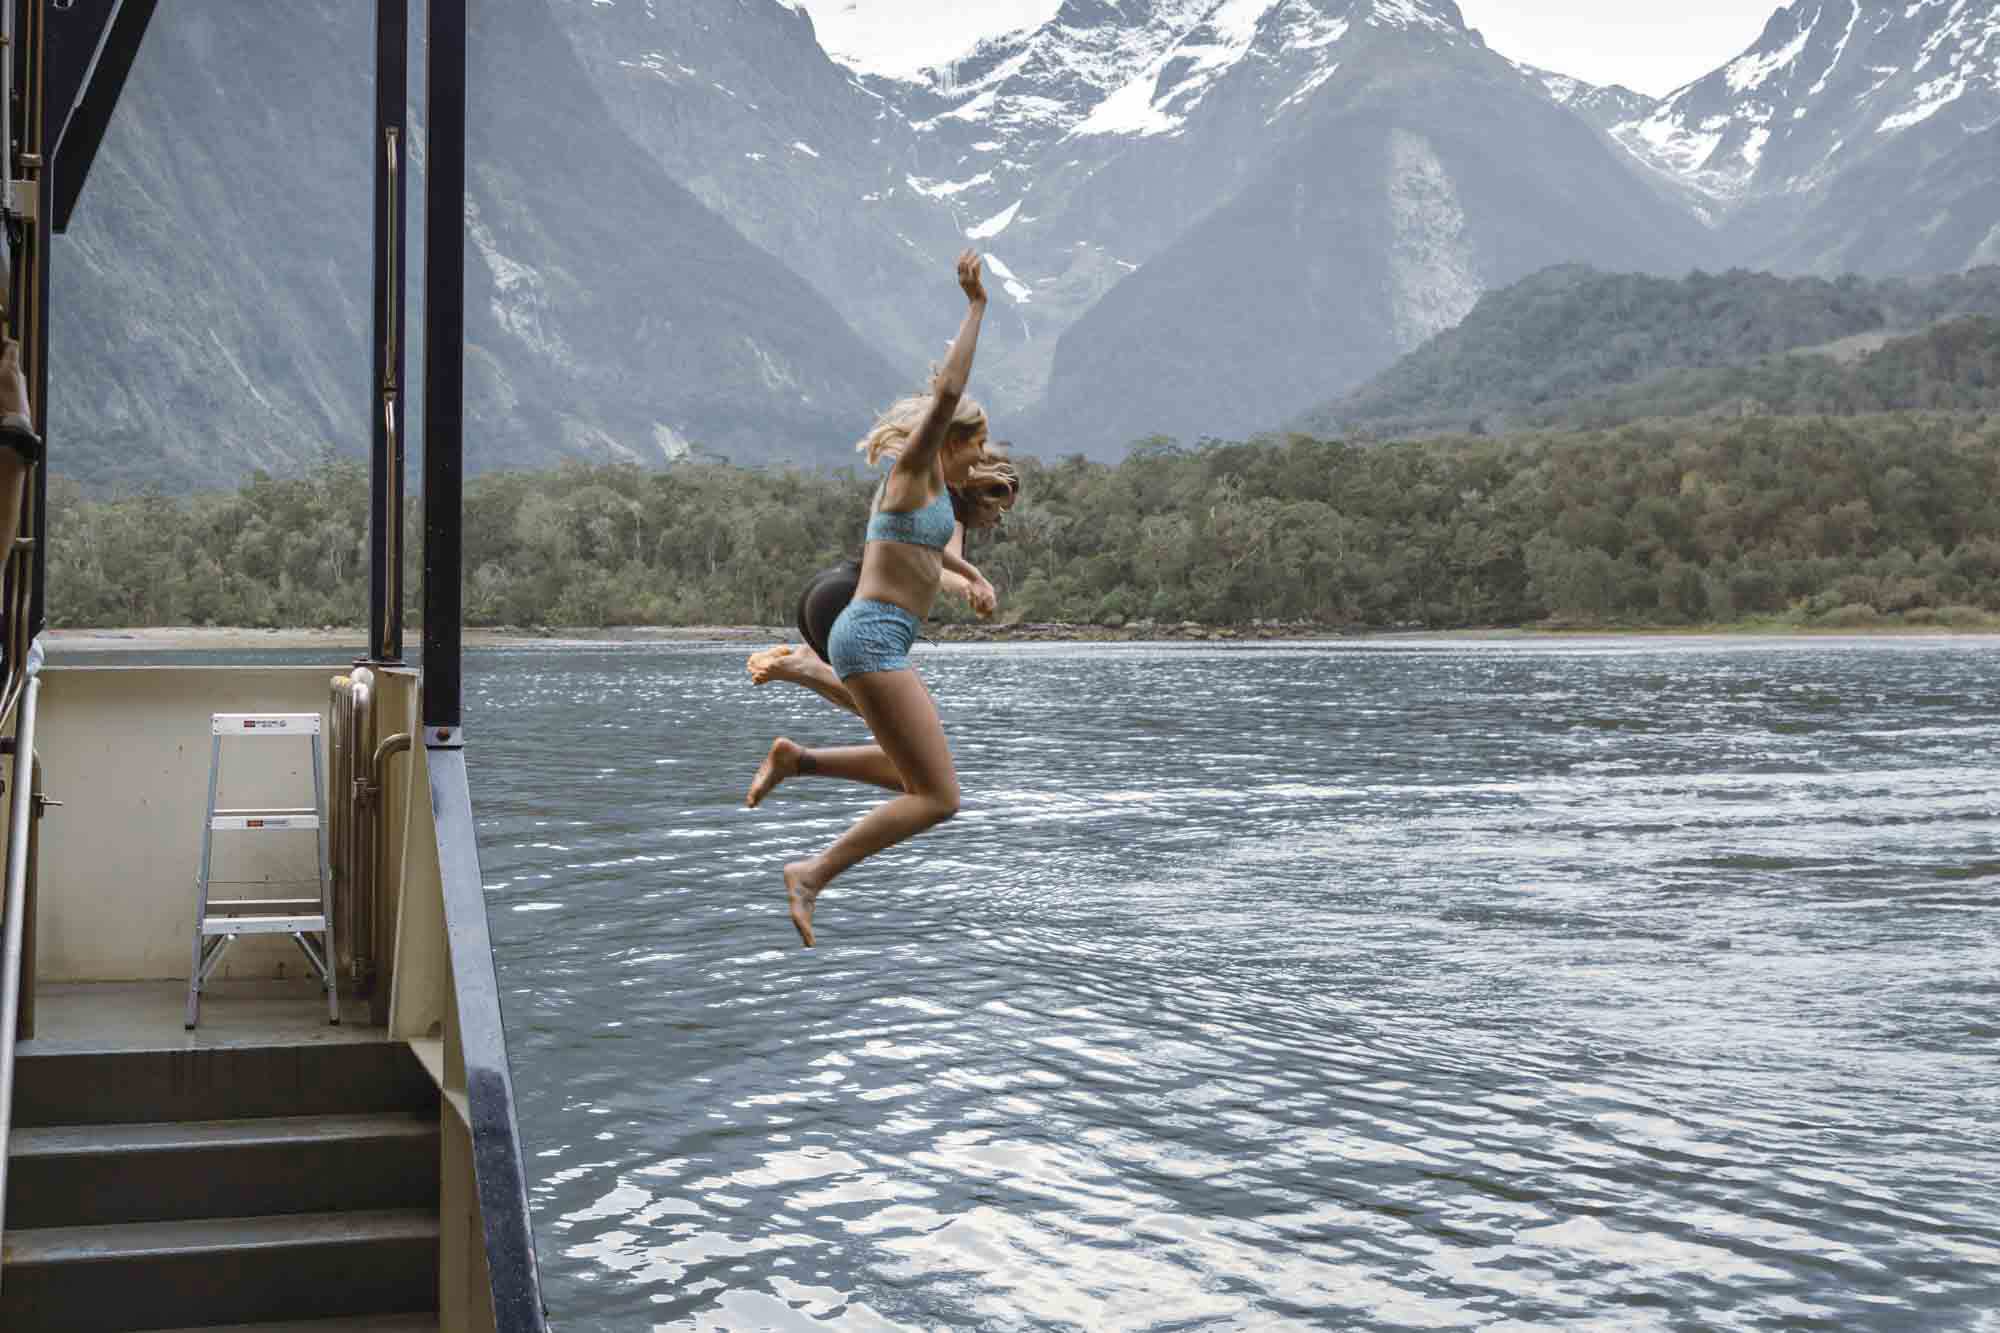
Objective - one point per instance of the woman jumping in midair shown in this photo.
(935, 441)
(980, 502)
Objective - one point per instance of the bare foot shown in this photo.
(765, 666)
(802, 896)
(781, 763)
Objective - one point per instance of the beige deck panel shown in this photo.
(146, 1016)
(126, 750)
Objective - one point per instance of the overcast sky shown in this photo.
(1653, 46)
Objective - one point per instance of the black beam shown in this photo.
(444, 364)
(34, 138)
(81, 130)
(497, 1169)
(39, 387)
(75, 36)
(391, 156)
(498, 1173)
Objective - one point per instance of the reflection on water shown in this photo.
(1635, 984)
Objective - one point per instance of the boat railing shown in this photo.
(17, 709)
(18, 585)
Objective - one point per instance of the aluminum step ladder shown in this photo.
(217, 922)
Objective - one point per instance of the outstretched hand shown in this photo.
(983, 598)
(968, 277)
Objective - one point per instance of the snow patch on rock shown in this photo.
(673, 445)
(1929, 99)
(1753, 70)
(996, 224)
(1015, 287)
(946, 189)
(1434, 283)
(519, 293)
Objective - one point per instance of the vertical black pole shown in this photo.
(37, 346)
(385, 546)
(444, 364)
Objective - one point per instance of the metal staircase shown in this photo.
(186, 1201)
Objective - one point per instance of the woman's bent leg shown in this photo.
(855, 763)
(801, 666)
(900, 712)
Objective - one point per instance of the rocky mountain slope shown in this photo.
(211, 300)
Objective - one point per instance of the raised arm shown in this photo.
(949, 385)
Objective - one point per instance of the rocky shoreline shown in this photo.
(1136, 631)
(348, 641)
(345, 642)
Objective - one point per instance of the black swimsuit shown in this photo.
(16, 434)
(826, 595)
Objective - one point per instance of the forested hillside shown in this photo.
(1810, 519)
(1543, 350)
(1953, 366)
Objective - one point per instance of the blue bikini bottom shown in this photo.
(871, 636)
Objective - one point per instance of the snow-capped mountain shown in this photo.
(1835, 92)
(1122, 163)
(1077, 153)
(1201, 216)
(1603, 105)
(1427, 171)
(1080, 149)
(1202, 205)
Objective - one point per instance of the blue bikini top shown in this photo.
(930, 526)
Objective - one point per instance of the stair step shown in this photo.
(381, 1323)
(151, 1275)
(86, 1175)
(72, 1087)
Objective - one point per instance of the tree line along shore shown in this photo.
(1780, 522)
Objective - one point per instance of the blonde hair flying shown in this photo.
(901, 418)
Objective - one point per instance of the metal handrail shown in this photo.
(21, 814)
(350, 845)
(359, 918)
(18, 697)
(19, 573)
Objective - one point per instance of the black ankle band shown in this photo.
(808, 764)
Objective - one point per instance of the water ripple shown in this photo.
(1621, 984)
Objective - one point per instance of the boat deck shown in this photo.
(147, 1016)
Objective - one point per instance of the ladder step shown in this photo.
(265, 814)
(266, 906)
(265, 724)
(262, 925)
(281, 820)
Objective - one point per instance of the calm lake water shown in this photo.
(1615, 984)
(1633, 984)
